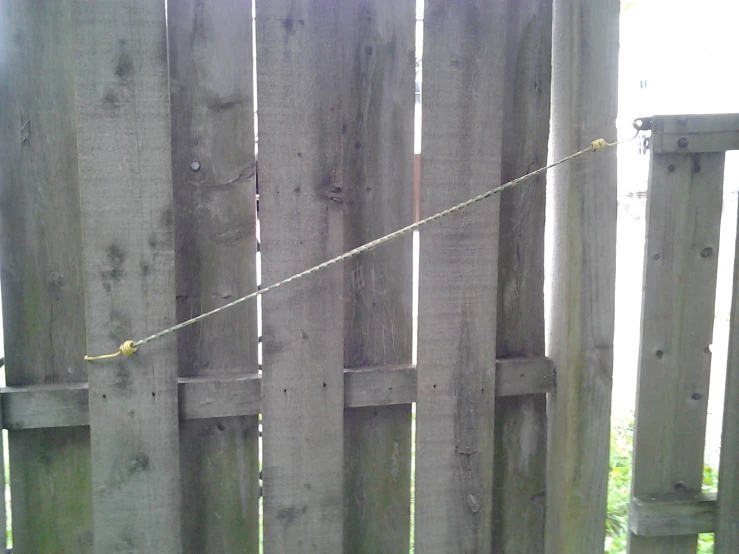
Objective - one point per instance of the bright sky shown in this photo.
(687, 51)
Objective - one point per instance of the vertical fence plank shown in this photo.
(301, 191)
(683, 217)
(3, 484)
(520, 421)
(213, 168)
(42, 286)
(727, 519)
(583, 200)
(377, 111)
(126, 195)
(462, 128)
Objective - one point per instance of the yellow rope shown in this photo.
(125, 349)
(598, 145)
(129, 346)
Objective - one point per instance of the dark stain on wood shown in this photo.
(218, 104)
(289, 515)
(289, 25)
(114, 261)
(167, 219)
(120, 325)
(124, 63)
(111, 99)
(123, 378)
(139, 463)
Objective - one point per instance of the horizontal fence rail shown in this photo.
(672, 515)
(47, 406)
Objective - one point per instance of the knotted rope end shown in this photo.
(598, 145)
(126, 349)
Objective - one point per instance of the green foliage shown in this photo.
(619, 488)
(619, 485)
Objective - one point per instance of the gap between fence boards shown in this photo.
(66, 404)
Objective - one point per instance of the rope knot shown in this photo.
(128, 348)
(598, 145)
(125, 349)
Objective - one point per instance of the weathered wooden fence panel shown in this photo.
(519, 495)
(300, 188)
(214, 171)
(727, 517)
(43, 289)
(123, 125)
(462, 129)
(129, 176)
(681, 255)
(377, 110)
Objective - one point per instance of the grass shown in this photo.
(619, 489)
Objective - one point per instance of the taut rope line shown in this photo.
(131, 346)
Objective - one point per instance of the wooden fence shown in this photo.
(129, 175)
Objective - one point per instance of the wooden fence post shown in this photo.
(123, 120)
(42, 285)
(214, 172)
(521, 421)
(463, 75)
(301, 217)
(377, 117)
(727, 518)
(583, 197)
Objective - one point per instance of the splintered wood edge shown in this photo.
(673, 514)
(66, 405)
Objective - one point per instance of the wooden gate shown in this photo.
(668, 509)
(129, 175)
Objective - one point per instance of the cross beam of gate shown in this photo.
(66, 405)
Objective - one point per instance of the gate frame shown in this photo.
(667, 516)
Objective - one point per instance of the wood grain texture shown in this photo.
(463, 74)
(683, 219)
(583, 214)
(377, 113)
(520, 422)
(125, 172)
(66, 405)
(379, 386)
(301, 218)
(42, 285)
(682, 134)
(727, 517)
(672, 514)
(210, 50)
(44, 406)
(206, 397)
